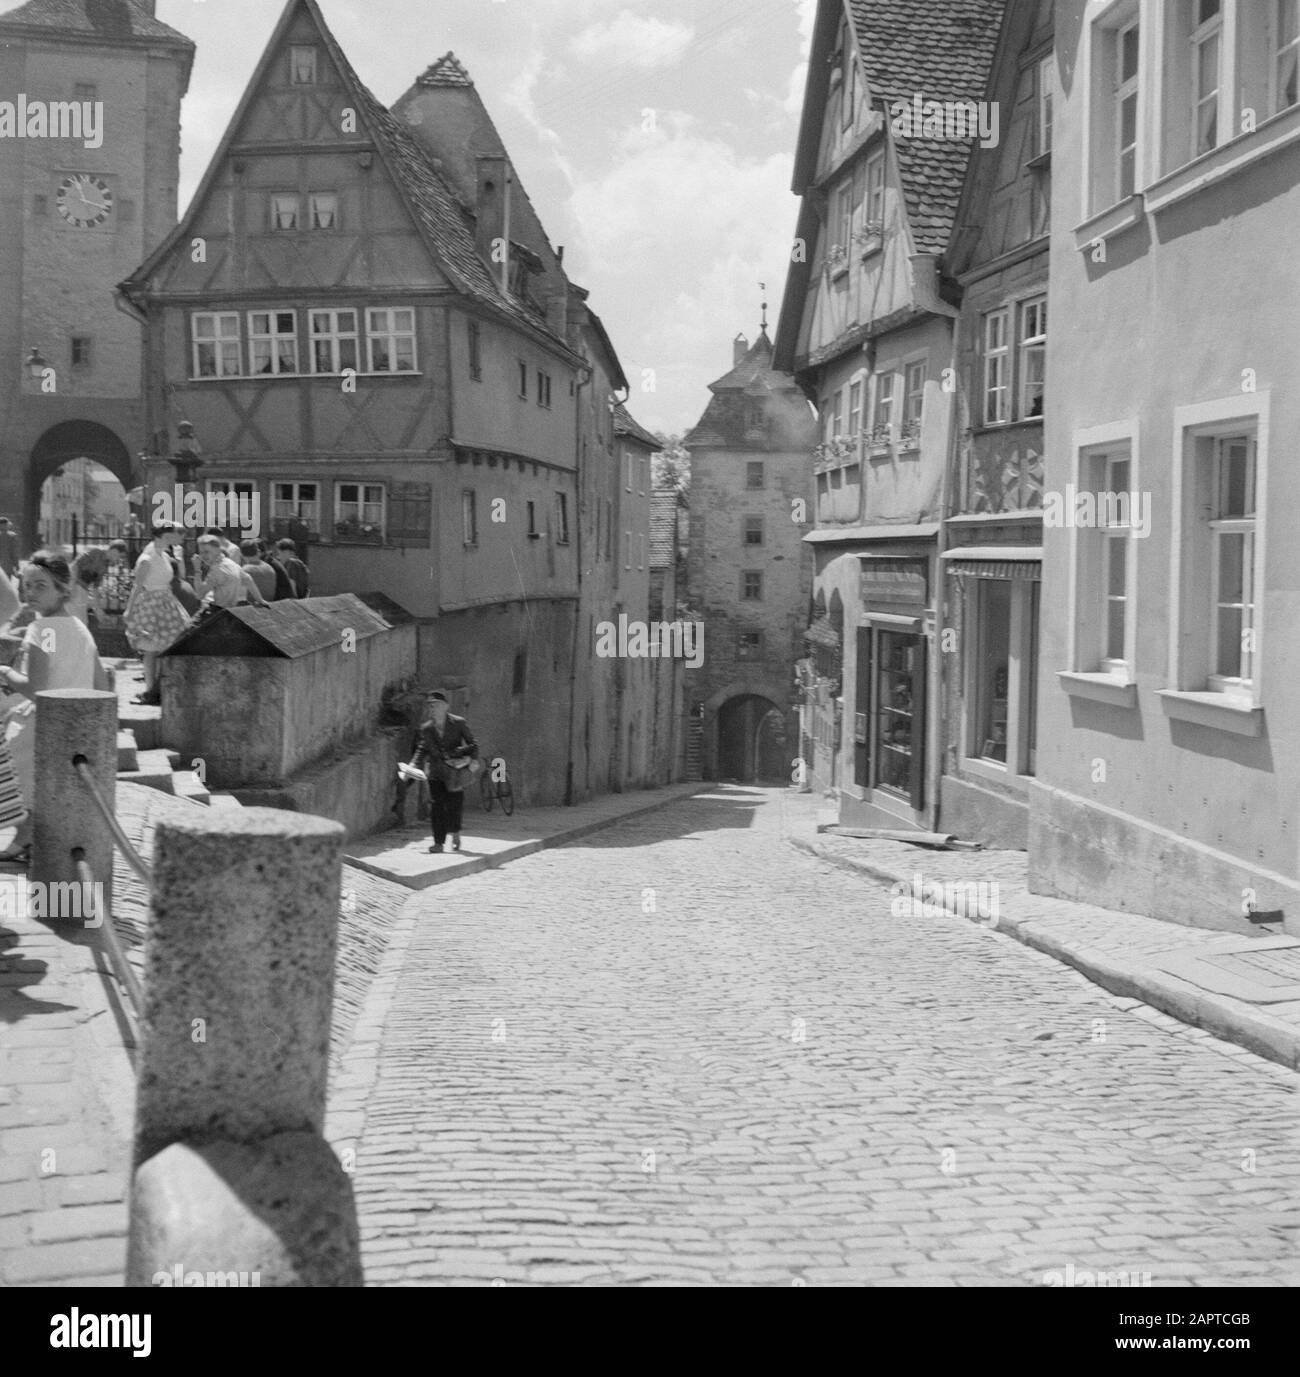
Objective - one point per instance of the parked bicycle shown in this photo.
(494, 785)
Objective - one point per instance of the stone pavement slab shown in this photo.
(1148, 959)
(492, 839)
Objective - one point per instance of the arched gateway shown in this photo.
(59, 445)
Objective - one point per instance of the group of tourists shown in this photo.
(164, 603)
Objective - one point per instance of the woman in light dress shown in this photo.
(154, 616)
(58, 652)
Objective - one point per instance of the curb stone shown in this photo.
(1230, 1020)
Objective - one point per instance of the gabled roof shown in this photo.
(443, 221)
(727, 420)
(104, 21)
(447, 71)
(626, 425)
(941, 50)
(286, 630)
(753, 366)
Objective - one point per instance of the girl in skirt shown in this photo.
(154, 616)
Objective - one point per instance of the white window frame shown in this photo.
(837, 414)
(364, 490)
(857, 398)
(273, 337)
(996, 367)
(1046, 87)
(1221, 529)
(1115, 536)
(335, 337)
(297, 503)
(1192, 694)
(314, 209)
(1027, 344)
(1021, 762)
(1127, 88)
(225, 335)
(389, 333)
(627, 550)
(284, 203)
(914, 395)
(883, 402)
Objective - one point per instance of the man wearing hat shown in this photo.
(445, 750)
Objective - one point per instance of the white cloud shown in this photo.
(799, 77)
(520, 96)
(629, 40)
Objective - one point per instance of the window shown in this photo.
(333, 341)
(837, 415)
(755, 476)
(753, 530)
(519, 677)
(1232, 529)
(640, 552)
(874, 196)
(302, 65)
(469, 517)
(1126, 110)
(627, 549)
(85, 92)
(1033, 356)
(854, 428)
(1286, 65)
(284, 212)
(523, 379)
(1002, 675)
(644, 469)
(273, 341)
(561, 518)
(751, 586)
(359, 509)
(883, 429)
(297, 502)
(1045, 78)
(1207, 50)
(997, 367)
(216, 344)
(81, 351)
(849, 82)
(1114, 525)
(913, 397)
(533, 532)
(324, 210)
(543, 389)
(475, 351)
(843, 222)
(391, 335)
(627, 486)
(749, 645)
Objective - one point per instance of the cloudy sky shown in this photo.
(655, 140)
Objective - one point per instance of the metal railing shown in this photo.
(113, 948)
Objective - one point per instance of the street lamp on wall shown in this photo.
(186, 460)
(36, 364)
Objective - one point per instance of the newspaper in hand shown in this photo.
(405, 771)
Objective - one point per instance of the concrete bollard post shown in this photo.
(69, 723)
(232, 1172)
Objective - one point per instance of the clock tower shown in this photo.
(90, 96)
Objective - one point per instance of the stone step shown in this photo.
(173, 756)
(220, 799)
(127, 753)
(154, 769)
(186, 784)
(144, 723)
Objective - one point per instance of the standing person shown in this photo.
(58, 653)
(261, 573)
(283, 583)
(222, 583)
(117, 582)
(298, 572)
(154, 617)
(444, 740)
(89, 570)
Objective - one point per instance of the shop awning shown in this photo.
(995, 562)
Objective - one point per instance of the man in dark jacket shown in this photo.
(294, 567)
(283, 585)
(445, 739)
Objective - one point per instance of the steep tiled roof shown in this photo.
(941, 50)
(755, 364)
(447, 71)
(729, 418)
(663, 528)
(107, 20)
(626, 424)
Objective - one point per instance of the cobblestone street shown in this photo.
(683, 1051)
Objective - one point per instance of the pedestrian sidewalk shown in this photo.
(1241, 987)
(492, 839)
(66, 1089)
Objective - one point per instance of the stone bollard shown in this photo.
(232, 1174)
(72, 722)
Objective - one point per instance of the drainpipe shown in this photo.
(925, 282)
(577, 609)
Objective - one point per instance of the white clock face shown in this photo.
(84, 200)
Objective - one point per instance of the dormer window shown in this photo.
(302, 66)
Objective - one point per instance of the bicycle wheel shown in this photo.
(507, 796)
(486, 790)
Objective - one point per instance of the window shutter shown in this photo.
(409, 511)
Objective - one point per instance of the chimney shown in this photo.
(150, 7)
(739, 348)
(491, 208)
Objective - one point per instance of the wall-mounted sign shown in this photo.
(894, 582)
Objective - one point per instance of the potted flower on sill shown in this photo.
(910, 436)
(361, 532)
(880, 439)
(870, 238)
